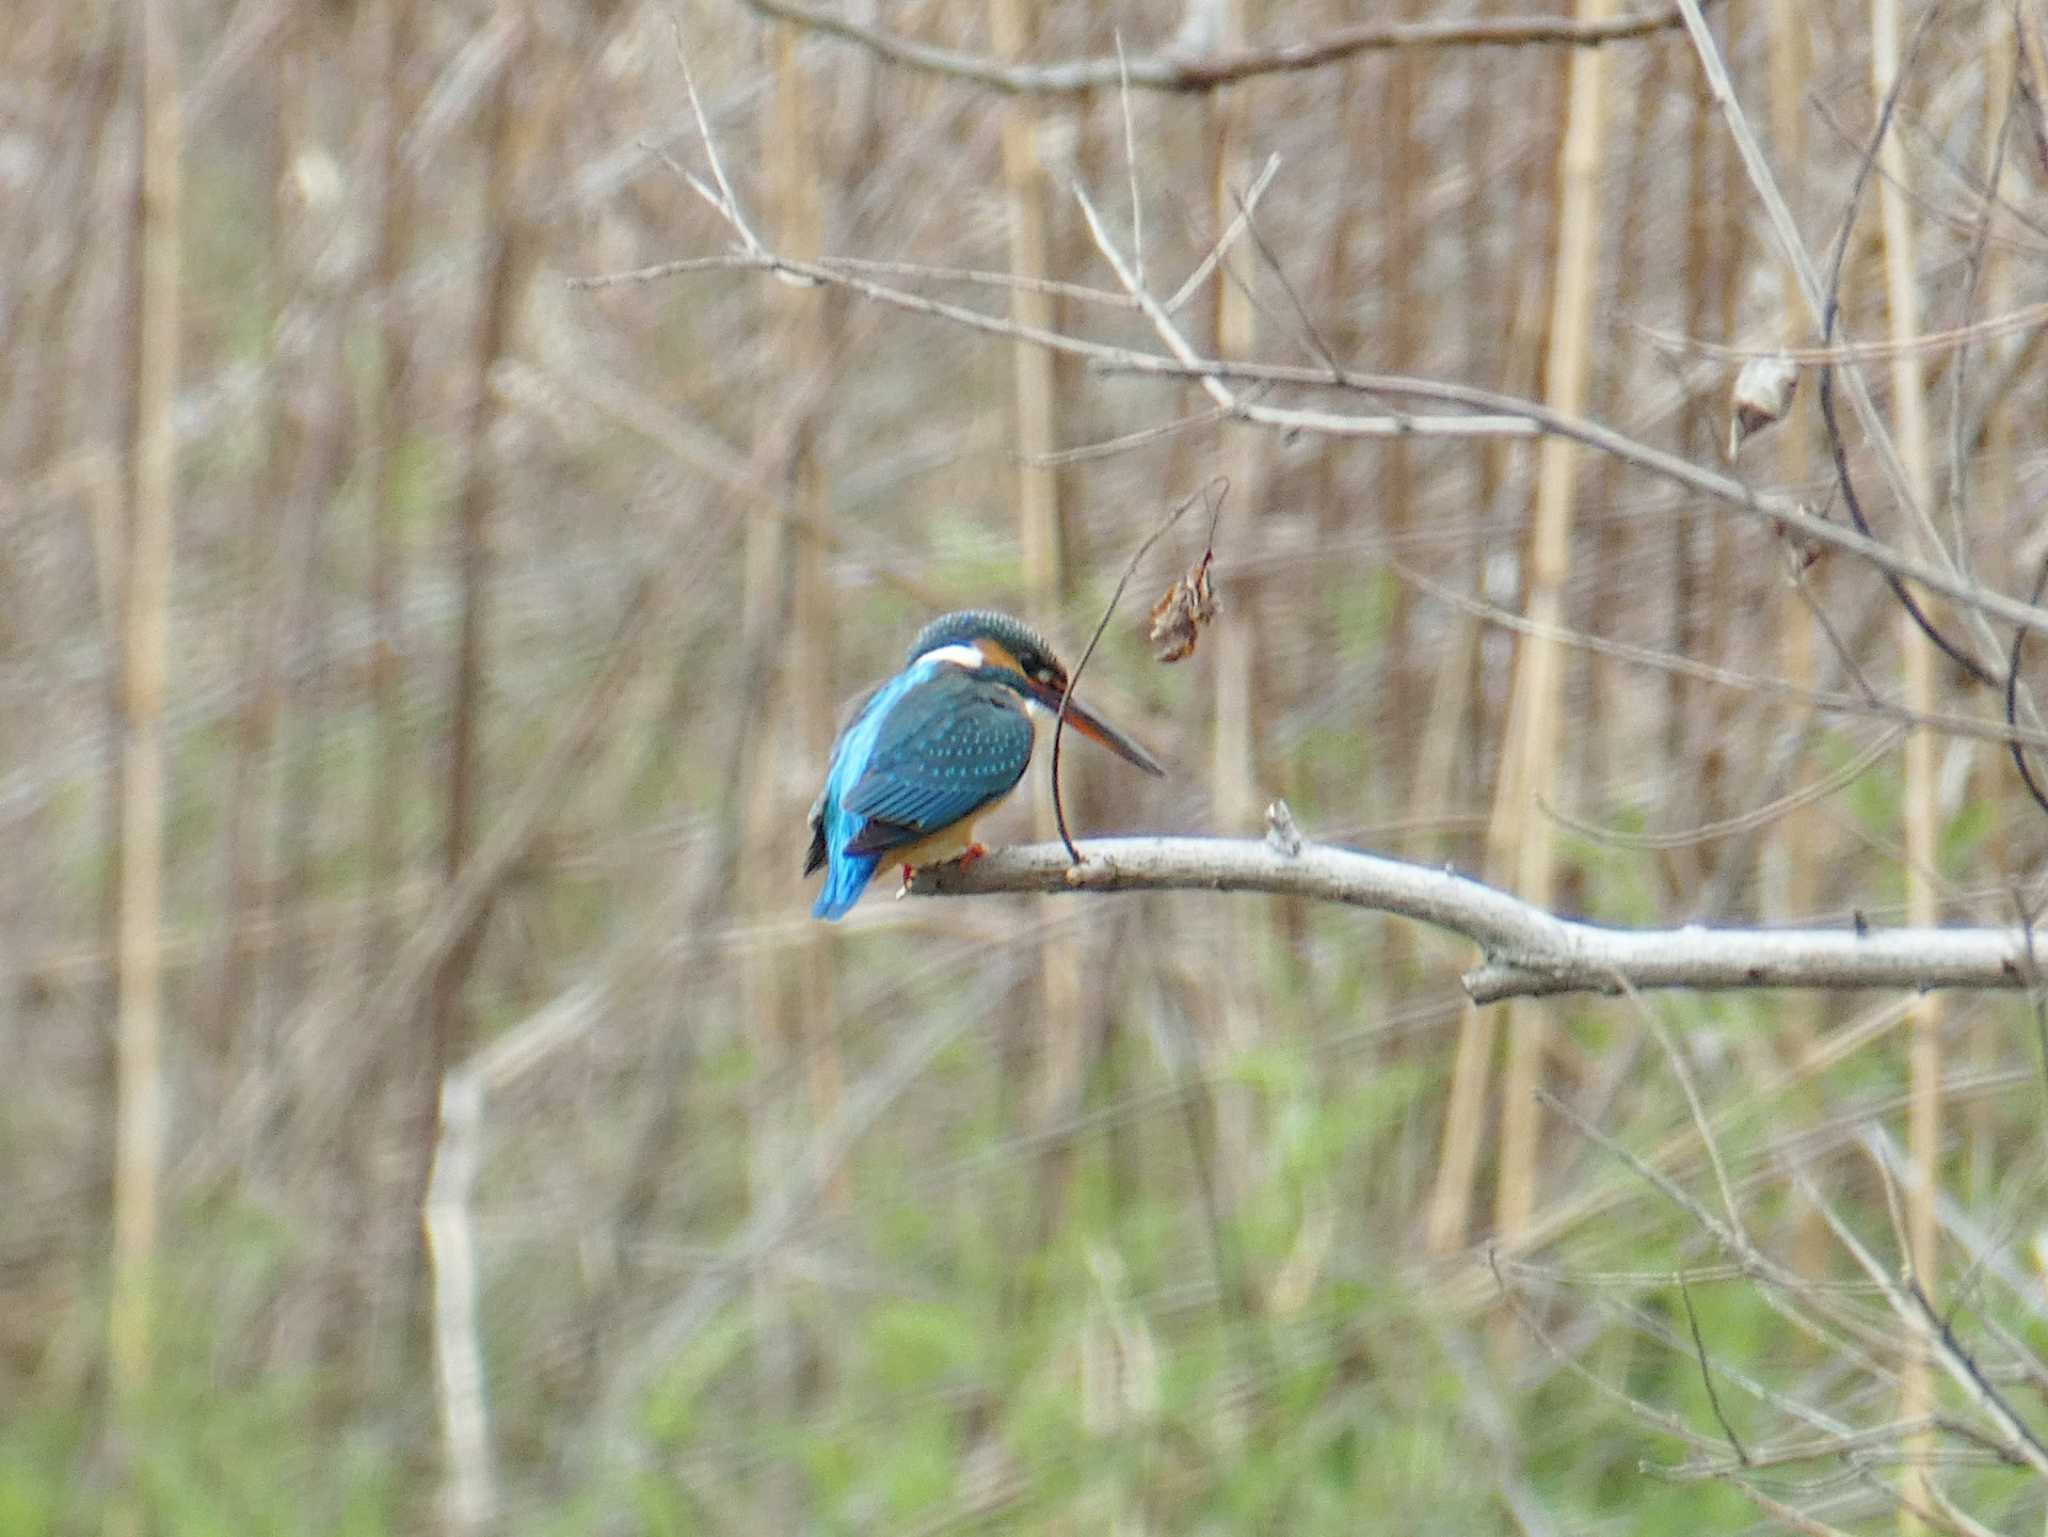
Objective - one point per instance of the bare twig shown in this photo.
(1776, 807)
(1683, 1073)
(2027, 318)
(1789, 1515)
(1125, 442)
(1671, 1424)
(1832, 701)
(1131, 158)
(2012, 697)
(1910, 1303)
(1699, 1345)
(726, 202)
(1231, 232)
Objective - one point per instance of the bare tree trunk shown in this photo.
(145, 611)
(1989, 506)
(1240, 1024)
(1010, 28)
(1793, 861)
(406, 1093)
(1698, 424)
(1233, 786)
(507, 133)
(1406, 308)
(1616, 544)
(1451, 1195)
(1040, 535)
(1489, 315)
(790, 1026)
(1528, 779)
(1922, 815)
(249, 901)
(1725, 598)
(808, 156)
(502, 277)
(1395, 763)
(37, 407)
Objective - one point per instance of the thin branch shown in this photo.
(1798, 1520)
(1167, 71)
(1831, 701)
(1059, 725)
(1701, 1124)
(1974, 271)
(1830, 316)
(1526, 951)
(1025, 282)
(1109, 448)
(451, 1239)
(1762, 816)
(1671, 1424)
(1236, 227)
(1910, 1303)
(1816, 294)
(1699, 1346)
(1737, 1245)
(726, 202)
(1310, 334)
(1131, 158)
(1162, 323)
(1510, 416)
(1788, 514)
(2028, 319)
(2012, 698)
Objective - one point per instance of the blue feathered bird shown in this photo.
(938, 746)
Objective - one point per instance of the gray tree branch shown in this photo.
(1525, 951)
(1192, 71)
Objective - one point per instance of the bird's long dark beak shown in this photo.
(1089, 724)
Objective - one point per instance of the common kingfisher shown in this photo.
(937, 747)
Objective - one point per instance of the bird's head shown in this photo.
(1011, 653)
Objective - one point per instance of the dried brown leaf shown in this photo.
(1180, 613)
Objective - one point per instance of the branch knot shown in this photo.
(1282, 836)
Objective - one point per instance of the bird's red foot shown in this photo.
(966, 857)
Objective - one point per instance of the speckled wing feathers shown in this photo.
(948, 747)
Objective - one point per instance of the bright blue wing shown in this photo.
(927, 748)
(944, 746)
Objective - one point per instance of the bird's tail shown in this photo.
(846, 877)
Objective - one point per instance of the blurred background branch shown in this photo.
(1195, 62)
